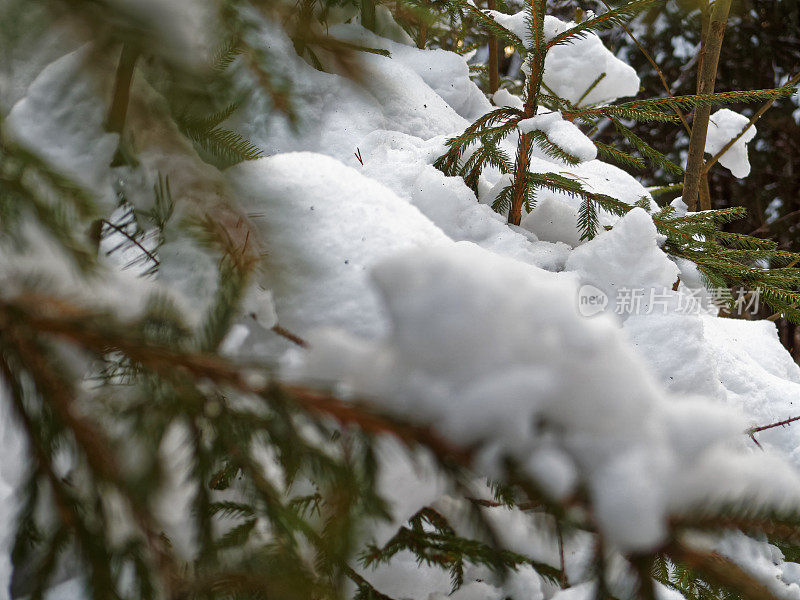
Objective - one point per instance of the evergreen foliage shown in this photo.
(102, 454)
(723, 258)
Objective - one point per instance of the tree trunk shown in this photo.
(707, 74)
(520, 184)
(368, 14)
(118, 111)
(494, 57)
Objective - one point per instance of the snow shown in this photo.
(334, 114)
(503, 97)
(402, 163)
(12, 474)
(446, 73)
(673, 345)
(399, 134)
(563, 134)
(323, 225)
(723, 126)
(173, 504)
(538, 359)
(61, 118)
(571, 69)
(557, 220)
(553, 220)
(764, 562)
(405, 577)
(418, 297)
(626, 262)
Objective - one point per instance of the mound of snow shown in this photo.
(62, 120)
(402, 163)
(583, 70)
(723, 126)
(627, 264)
(323, 225)
(562, 133)
(446, 73)
(335, 113)
(556, 382)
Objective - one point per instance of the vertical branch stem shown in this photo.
(422, 37)
(368, 14)
(707, 73)
(563, 577)
(494, 57)
(122, 89)
(534, 84)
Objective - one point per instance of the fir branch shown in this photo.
(488, 23)
(719, 570)
(646, 149)
(612, 154)
(607, 20)
(650, 110)
(588, 222)
(658, 70)
(551, 149)
(753, 120)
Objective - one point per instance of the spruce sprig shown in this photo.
(607, 20)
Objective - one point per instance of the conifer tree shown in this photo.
(121, 398)
(724, 259)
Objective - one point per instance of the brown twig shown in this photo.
(295, 339)
(659, 72)
(131, 239)
(94, 333)
(563, 576)
(767, 226)
(754, 430)
(758, 114)
(494, 56)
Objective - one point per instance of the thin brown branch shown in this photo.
(747, 523)
(659, 72)
(132, 240)
(96, 334)
(494, 56)
(285, 333)
(756, 116)
(719, 570)
(767, 226)
(563, 578)
(754, 430)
